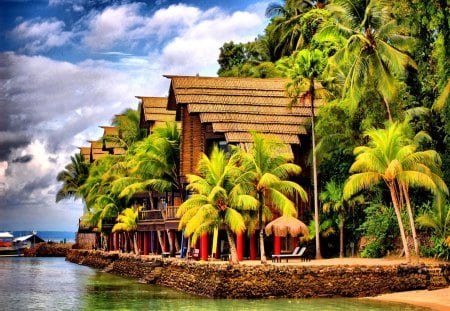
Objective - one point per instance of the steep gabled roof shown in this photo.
(154, 111)
(235, 106)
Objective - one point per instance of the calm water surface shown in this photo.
(54, 284)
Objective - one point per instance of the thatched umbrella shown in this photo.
(287, 224)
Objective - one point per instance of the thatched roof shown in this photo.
(86, 153)
(235, 106)
(284, 225)
(154, 111)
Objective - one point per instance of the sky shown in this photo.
(68, 66)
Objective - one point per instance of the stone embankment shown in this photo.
(49, 249)
(223, 280)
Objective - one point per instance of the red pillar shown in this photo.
(146, 242)
(240, 245)
(253, 246)
(204, 246)
(277, 245)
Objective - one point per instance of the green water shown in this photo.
(54, 284)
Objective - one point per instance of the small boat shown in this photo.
(10, 247)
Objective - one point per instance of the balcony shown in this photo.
(167, 213)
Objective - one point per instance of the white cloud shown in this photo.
(42, 35)
(113, 25)
(52, 107)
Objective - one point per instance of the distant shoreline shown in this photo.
(49, 235)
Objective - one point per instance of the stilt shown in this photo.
(240, 245)
(277, 245)
(253, 246)
(146, 242)
(204, 246)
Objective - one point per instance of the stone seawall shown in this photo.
(223, 280)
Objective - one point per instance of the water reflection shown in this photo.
(54, 284)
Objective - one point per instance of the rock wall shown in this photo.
(223, 280)
(49, 249)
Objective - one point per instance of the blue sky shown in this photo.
(67, 66)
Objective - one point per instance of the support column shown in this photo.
(146, 242)
(277, 245)
(204, 246)
(253, 247)
(240, 245)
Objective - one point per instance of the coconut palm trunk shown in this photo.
(233, 251)
(316, 199)
(341, 232)
(411, 220)
(135, 243)
(261, 229)
(395, 202)
(171, 246)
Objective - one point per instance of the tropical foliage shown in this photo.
(267, 171)
(218, 199)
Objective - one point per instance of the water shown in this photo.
(54, 284)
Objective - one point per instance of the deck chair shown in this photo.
(194, 254)
(297, 253)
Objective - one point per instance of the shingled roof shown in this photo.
(235, 106)
(154, 111)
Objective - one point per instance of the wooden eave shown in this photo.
(154, 109)
(235, 106)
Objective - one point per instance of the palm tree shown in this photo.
(437, 218)
(154, 163)
(303, 73)
(375, 50)
(73, 177)
(286, 27)
(218, 199)
(129, 128)
(333, 199)
(391, 157)
(127, 221)
(267, 170)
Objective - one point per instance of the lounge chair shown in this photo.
(194, 254)
(296, 253)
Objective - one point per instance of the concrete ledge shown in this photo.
(223, 280)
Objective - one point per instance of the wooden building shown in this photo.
(222, 111)
(154, 112)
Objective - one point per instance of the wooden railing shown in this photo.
(167, 213)
(150, 215)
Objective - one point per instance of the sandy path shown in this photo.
(438, 299)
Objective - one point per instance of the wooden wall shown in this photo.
(192, 142)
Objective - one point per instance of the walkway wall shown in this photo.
(264, 281)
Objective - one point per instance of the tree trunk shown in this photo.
(161, 242)
(388, 109)
(341, 238)
(316, 199)
(411, 220)
(261, 246)
(261, 230)
(233, 251)
(135, 243)
(399, 220)
(171, 249)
